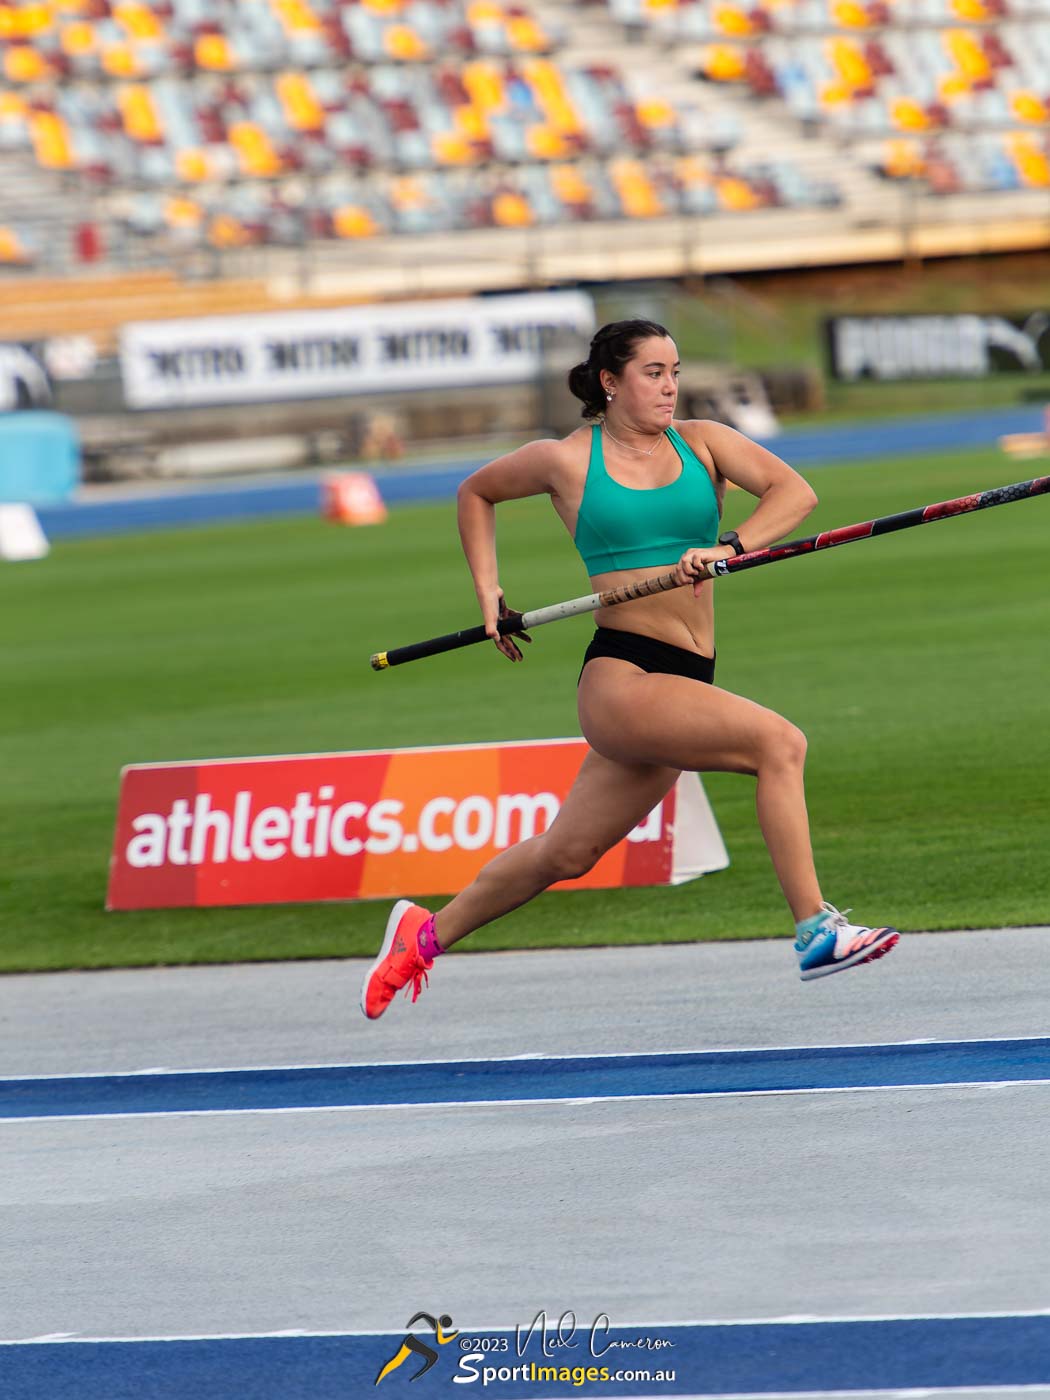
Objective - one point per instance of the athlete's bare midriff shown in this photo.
(675, 617)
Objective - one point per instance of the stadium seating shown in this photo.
(16, 247)
(232, 124)
(955, 93)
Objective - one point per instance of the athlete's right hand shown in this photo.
(493, 607)
(693, 565)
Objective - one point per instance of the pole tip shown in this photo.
(379, 661)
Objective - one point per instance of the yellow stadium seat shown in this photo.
(407, 194)
(545, 143)
(23, 64)
(120, 61)
(655, 113)
(723, 64)
(973, 11)
(78, 38)
(484, 12)
(849, 62)
(225, 231)
(352, 221)
(299, 102)
(834, 94)
(471, 123)
(402, 42)
(966, 53)
(1032, 163)
(851, 14)
(449, 148)
(12, 249)
(1029, 107)
(51, 143)
(12, 107)
(733, 20)
(511, 210)
(31, 20)
(692, 172)
(192, 164)
(902, 160)
(255, 155)
(545, 80)
(525, 34)
(138, 113)
(909, 115)
(570, 185)
(139, 21)
(213, 51)
(384, 7)
(182, 213)
(952, 86)
(484, 83)
(736, 194)
(656, 6)
(637, 195)
(296, 16)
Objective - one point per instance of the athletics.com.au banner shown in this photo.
(372, 825)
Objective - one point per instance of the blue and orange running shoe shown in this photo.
(399, 961)
(834, 944)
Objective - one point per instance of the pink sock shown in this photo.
(427, 939)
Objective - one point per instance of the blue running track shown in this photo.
(802, 447)
(533, 1079)
(749, 1358)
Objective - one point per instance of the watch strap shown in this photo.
(731, 537)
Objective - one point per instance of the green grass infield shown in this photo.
(918, 665)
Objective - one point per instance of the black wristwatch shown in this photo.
(732, 538)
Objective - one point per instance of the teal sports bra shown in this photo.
(621, 527)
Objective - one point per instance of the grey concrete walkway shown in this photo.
(598, 1000)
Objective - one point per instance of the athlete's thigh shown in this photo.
(640, 717)
(608, 799)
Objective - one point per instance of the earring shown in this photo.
(609, 397)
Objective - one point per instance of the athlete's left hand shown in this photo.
(692, 567)
(505, 641)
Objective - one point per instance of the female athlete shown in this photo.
(638, 493)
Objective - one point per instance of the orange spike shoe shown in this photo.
(399, 961)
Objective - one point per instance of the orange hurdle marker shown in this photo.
(352, 498)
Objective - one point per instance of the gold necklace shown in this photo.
(645, 451)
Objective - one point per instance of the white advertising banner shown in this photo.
(351, 350)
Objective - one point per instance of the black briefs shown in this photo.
(650, 654)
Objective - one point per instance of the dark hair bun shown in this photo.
(585, 385)
(611, 349)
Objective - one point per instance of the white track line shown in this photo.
(786, 1320)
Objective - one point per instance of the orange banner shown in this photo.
(371, 825)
